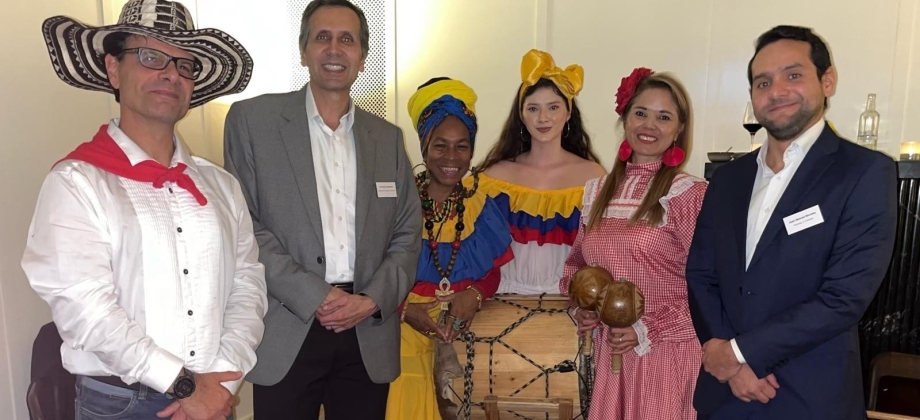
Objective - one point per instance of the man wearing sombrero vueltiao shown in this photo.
(146, 254)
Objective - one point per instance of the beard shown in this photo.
(791, 128)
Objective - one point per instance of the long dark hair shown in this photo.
(515, 139)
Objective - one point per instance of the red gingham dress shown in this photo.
(658, 384)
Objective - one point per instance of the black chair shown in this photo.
(52, 390)
(894, 385)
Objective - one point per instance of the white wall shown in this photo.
(41, 120)
(705, 43)
(477, 41)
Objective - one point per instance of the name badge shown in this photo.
(386, 190)
(803, 220)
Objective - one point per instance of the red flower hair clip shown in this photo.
(628, 87)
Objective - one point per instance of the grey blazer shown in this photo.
(267, 147)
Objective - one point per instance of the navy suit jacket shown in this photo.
(794, 311)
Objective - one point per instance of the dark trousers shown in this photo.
(328, 370)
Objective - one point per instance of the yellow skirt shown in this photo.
(412, 395)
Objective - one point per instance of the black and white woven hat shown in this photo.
(79, 59)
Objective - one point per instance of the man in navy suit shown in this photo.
(791, 245)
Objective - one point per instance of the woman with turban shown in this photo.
(465, 241)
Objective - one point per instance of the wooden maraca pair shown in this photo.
(619, 304)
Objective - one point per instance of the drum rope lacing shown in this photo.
(470, 338)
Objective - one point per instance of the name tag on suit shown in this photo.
(386, 190)
(803, 220)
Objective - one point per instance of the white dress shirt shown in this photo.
(143, 281)
(335, 168)
(768, 188)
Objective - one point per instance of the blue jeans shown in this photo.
(101, 401)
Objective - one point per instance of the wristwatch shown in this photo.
(184, 385)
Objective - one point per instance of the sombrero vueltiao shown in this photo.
(79, 60)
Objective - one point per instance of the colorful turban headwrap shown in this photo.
(538, 65)
(430, 105)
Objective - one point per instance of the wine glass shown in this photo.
(751, 124)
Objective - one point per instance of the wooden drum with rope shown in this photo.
(520, 346)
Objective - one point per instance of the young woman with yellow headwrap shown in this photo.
(537, 172)
(465, 241)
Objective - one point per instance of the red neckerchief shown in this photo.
(103, 153)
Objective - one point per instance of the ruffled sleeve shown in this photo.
(686, 193)
(672, 322)
(485, 244)
(682, 205)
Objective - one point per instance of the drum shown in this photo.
(520, 346)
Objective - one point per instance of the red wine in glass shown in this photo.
(752, 127)
(750, 123)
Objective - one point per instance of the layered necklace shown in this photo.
(440, 214)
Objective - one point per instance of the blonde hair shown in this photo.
(650, 208)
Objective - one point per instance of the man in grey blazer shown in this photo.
(338, 221)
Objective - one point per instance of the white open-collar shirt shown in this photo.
(142, 281)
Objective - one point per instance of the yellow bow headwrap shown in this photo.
(538, 65)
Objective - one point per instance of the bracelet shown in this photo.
(478, 297)
(402, 316)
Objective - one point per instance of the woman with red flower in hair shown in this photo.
(638, 223)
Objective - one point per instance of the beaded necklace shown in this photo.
(440, 215)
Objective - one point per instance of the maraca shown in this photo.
(587, 292)
(621, 307)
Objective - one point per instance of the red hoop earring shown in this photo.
(673, 156)
(625, 151)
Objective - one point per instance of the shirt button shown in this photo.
(192, 353)
(337, 191)
(340, 218)
(170, 190)
(190, 312)
(341, 246)
(336, 164)
(185, 271)
(320, 260)
(179, 230)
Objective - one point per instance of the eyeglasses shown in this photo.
(158, 60)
